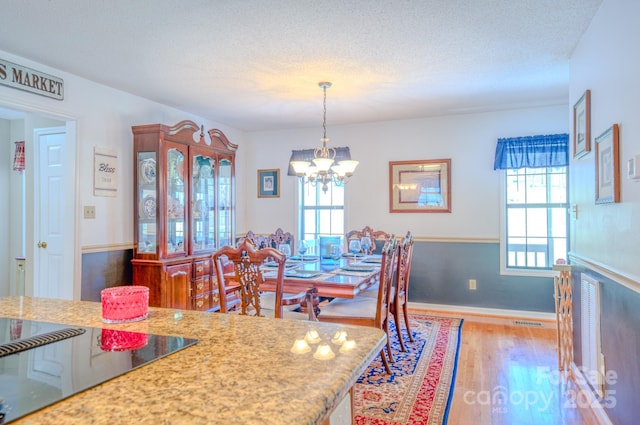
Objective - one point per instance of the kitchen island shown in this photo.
(241, 371)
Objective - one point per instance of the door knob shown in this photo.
(42, 244)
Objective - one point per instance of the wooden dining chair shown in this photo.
(366, 311)
(400, 293)
(260, 241)
(379, 236)
(247, 260)
(279, 237)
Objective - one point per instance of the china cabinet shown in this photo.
(184, 198)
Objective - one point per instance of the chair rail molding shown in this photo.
(625, 279)
(90, 249)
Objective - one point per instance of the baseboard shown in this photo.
(482, 311)
(595, 408)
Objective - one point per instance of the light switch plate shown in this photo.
(633, 168)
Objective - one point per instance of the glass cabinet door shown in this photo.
(147, 203)
(202, 203)
(175, 197)
(225, 203)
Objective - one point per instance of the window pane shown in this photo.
(337, 222)
(516, 249)
(337, 196)
(516, 193)
(558, 188)
(309, 222)
(309, 195)
(324, 222)
(559, 222)
(537, 222)
(516, 223)
(324, 198)
(537, 252)
(537, 187)
(559, 246)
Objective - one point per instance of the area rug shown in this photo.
(421, 387)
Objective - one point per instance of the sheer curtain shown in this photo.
(532, 152)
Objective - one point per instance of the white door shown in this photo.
(53, 216)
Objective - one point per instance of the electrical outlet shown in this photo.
(472, 284)
(89, 211)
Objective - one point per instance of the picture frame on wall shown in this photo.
(608, 166)
(420, 186)
(269, 183)
(582, 125)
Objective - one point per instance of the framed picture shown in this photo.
(105, 172)
(269, 183)
(582, 125)
(420, 186)
(607, 167)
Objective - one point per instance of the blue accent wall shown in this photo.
(619, 324)
(103, 270)
(440, 273)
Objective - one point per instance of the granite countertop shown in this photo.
(241, 371)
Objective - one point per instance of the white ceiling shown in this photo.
(255, 64)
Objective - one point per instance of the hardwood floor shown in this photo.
(508, 374)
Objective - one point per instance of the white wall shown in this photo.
(469, 140)
(607, 62)
(104, 118)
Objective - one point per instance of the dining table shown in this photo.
(344, 276)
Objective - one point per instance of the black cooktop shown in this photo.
(42, 363)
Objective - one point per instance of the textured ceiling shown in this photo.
(255, 64)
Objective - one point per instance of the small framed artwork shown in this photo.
(105, 172)
(608, 166)
(269, 183)
(582, 125)
(420, 186)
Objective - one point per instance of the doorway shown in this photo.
(41, 220)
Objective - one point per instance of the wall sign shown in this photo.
(105, 172)
(23, 78)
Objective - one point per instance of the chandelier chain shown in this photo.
(324, 115)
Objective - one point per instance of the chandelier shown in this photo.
(323, 168)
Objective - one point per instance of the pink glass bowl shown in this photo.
(124, 304)
(114, 340)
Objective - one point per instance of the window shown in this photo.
(536, 217)
(320, 214)
(535, 201)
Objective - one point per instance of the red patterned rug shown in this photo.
(421, 387)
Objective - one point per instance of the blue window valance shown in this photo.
(532, 152)
(342, 154)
